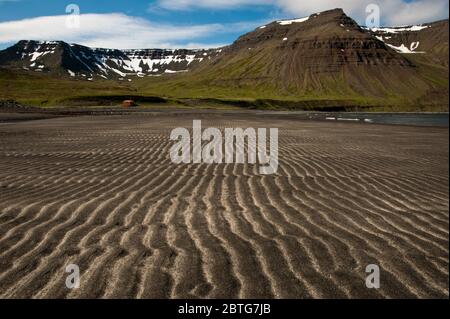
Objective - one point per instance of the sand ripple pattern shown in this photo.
(102, 193)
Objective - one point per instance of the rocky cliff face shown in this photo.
(326, 53)
(323, 41)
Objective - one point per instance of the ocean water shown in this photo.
(418, 119)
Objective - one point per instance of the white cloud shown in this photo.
(195, 45)
(393, 12)
(113, 30)
(210, 4)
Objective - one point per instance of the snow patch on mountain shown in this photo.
(289, 22)
(401, 48)
(80, 61)
(404, 49)
(413, 28)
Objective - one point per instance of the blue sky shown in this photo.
(182, 23)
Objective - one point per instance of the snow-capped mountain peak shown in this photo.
(84, 62)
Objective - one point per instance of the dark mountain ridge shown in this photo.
(75, 60)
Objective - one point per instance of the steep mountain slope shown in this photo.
(326, 56)
(74, 60)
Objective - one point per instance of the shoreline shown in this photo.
(366, 118)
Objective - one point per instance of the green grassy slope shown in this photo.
(46, 90)
(196, 91)
(426, 91)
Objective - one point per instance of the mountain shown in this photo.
(320, 58)
(325, 59)
(74, 60)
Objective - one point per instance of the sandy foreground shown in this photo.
(102, 193)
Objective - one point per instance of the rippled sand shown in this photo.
(101, 192)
